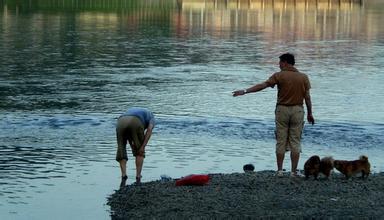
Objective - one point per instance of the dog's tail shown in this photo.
(363, 158)
(327, 161)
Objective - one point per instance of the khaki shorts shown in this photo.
(129, 128)
(289, 126)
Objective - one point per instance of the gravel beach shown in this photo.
(253, 195)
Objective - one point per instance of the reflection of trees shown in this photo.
(87, 5)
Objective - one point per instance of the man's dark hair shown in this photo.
(288, 57)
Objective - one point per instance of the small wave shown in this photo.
(327, 133)
(55, 121)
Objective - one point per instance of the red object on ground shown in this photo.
(193, 180)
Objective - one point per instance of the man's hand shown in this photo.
(238, 92)
(311, 119)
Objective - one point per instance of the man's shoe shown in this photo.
(296, 174)
(138, 180)
(123, 181)
(279, 173)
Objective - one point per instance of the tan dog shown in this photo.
(326, 166)
(350, 168)
(312, 167)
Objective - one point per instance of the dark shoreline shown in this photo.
(254, 195)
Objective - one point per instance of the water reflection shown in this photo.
(277, 4)
(278, 19)
(45, 148)
(282, 19)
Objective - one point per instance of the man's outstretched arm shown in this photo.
(255, 88)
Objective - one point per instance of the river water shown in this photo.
(68, 68)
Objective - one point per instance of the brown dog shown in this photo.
(312, 167)
(350, 168)
(326, 166)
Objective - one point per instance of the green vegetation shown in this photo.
(87, 5)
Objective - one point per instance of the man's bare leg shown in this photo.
(123, 168)
(295, 156)
(280, 160)
(139, 166)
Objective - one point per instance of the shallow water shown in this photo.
(69, 68)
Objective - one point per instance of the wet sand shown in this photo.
(254, 195)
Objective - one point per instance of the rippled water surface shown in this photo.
(69, 68)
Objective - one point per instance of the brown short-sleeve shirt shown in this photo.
(292, 86)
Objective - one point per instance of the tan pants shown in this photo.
(129, 128)
(289, 126)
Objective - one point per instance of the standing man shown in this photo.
(292, 89)
(135, 127)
